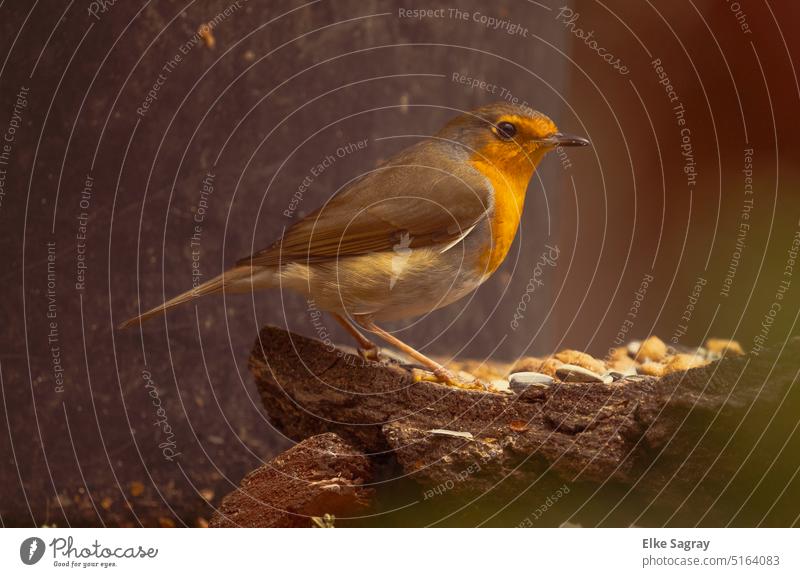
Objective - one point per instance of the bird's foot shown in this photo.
(445, 377)
(372, 353)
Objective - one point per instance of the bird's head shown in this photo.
(510, 137)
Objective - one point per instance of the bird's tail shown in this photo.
(237, 279)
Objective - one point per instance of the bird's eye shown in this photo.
(506, 130)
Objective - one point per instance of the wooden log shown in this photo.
(319, 476)
(686, 431)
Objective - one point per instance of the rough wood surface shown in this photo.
(321, 475)
(662, 435)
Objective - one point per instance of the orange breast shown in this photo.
(509, 197)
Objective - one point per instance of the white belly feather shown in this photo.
(393, 285)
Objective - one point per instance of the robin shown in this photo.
(413, 235)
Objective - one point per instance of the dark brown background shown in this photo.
(287, 84)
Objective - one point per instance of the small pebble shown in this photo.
(521, 381)
(576, 374)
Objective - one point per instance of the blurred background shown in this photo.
(142, 151)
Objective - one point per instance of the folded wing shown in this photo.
(424, 196)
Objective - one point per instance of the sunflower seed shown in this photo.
(448, 433)
(618, 375)
(500, 384)
(521, 381)
(576, 374)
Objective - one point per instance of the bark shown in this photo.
(723, 434)
(320, 476)
(590, 432)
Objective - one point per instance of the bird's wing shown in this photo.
(426, 195)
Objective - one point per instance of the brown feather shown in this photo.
(425, 195)
(217, 284)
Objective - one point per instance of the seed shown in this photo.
(576, 374)
(618, 375)
(499, 385)
(521, 381)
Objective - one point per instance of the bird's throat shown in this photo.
(509, 179)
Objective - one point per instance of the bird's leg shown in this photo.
(441, 372)
(366, 348)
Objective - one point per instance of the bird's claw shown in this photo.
(445, 377)
(372, 353)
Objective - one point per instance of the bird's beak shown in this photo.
(559, 139)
